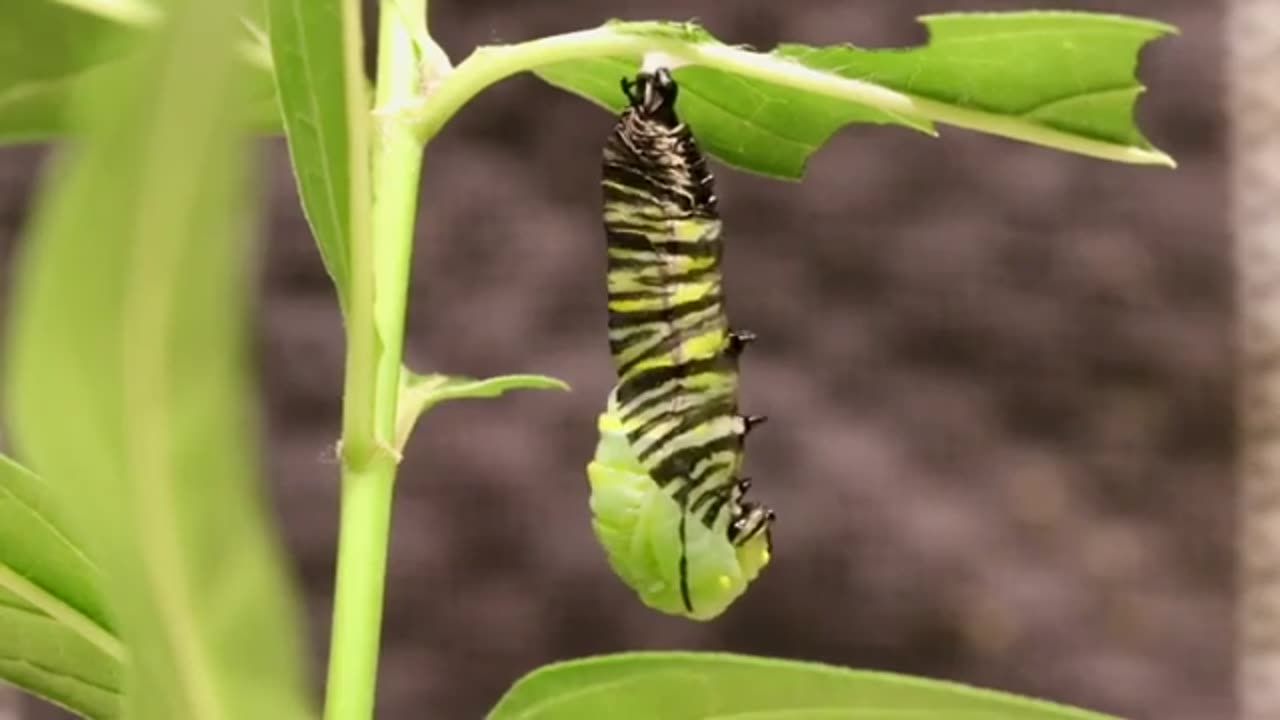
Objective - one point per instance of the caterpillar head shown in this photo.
(639, 526)
(653, 94)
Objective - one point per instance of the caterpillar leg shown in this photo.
(751, 421)
(739, 340)
(750, 520)
(628, 89)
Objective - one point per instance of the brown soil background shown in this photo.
(999, 380)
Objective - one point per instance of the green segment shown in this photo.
(638, 526)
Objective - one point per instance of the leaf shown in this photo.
(306, 47)
(56, 639)
(43, 45)
(846, 714)
(1060, 79)
(52, 50)
(703, 686)
(127, 377)
(419, 393)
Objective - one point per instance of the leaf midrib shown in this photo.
(54, 607)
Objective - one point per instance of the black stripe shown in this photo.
(635, 240)
(636, 173)
(662, 185)
(652, 378)
(708, 471)
(659, 289)
(684, 562)
(681, 462)
(631, 240)
(627, 412)
(662, 280)
(626, 184)
(713, 512)
(686, 423)
(631, 264)
(667, 315)
(666, 344)
(712, 494)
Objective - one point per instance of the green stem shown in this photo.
(488, 65)
(397, 166)
(375, 337)
(357, 605)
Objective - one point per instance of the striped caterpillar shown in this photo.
(667, 494)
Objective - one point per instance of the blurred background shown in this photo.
(999, 379)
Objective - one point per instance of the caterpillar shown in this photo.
(667, 496)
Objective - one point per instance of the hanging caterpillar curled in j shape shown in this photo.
(667, 494)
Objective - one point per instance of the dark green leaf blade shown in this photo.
(127, 376)
(56, 639)
(746, 123)
(306, 47)
(701, 686)
(1060, 79)
(1070, 71)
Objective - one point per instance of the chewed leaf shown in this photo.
(418, 393)
(1060, 79)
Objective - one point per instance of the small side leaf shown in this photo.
(418, 393)
(56, 639)
(1060, 79)
(721, 686)
(306, 47)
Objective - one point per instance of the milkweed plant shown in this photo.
(139, 574)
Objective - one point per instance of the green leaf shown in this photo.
(56, 639)
(1060, 79)
(44, 46)
(703, 686)
(127, 377)
(53, 50)
(846, 714)
(419, 393)
(306, 46)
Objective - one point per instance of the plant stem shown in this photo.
(397, 167)
(375, 344)
(357, 607)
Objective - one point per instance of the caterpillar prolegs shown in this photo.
(667, 494)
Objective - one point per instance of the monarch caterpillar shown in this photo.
(667, 496)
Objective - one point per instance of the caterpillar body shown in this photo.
(667, 498)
